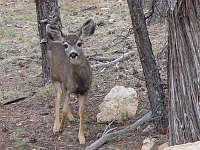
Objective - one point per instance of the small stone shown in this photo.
(111, 21)
(111, 32)
(164, 145)
(148, 128)
(105, 9)
(148, 143)
(100, 23)
(21, 73)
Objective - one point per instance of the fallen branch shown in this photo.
(14, 100)
(101, 58)
(110, 136)
(124, 56)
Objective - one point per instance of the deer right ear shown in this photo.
(87, 28)
(54, 34)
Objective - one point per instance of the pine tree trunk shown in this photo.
(47, 12)
(150, 70)
(184, 71)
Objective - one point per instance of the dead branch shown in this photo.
(110, 136)
(107, 129)
(101, 58)
(116, 42)
(124, 56)
(14, 100)
(9, 59)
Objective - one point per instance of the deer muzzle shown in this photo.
(73, 55)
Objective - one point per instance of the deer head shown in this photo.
(71, 42)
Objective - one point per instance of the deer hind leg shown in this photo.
(81, 136)
(66, 110)
(58, 90)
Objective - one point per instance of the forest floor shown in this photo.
(27, 124)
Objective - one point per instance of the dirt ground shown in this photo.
(27, 124)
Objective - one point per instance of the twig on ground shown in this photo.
(113, 135)
(108, 126)
(9, 59)
(102, 58)
(109, 130)
(15, 100)
(124, 56)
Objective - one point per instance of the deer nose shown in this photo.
(73, 55)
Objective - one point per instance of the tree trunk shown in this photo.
(184, 71)
(47, 12)
(157, 9)
(150, 70)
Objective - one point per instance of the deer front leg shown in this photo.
(58, 90)
(66, 110)
(81, 136)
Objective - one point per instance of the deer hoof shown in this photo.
(56, 128)
(62, 126)
(81, 139)
(71, 117)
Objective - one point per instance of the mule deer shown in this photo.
(70, 72)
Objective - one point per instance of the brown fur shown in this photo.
(70, 72)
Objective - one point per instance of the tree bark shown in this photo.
(47, 12)
(157, 11)
(184, 71)
(150, 70)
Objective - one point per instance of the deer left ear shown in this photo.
(87, 28)
(54, 34)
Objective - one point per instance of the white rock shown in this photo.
(120, 103)
(148, 143)
(148, 128)
(105, 9)
(111, 20)
(164, 145)
(187, 146)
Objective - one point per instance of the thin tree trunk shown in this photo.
(184, 71)
(47, 12)
(150, 70)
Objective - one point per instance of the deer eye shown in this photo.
(79, 44)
